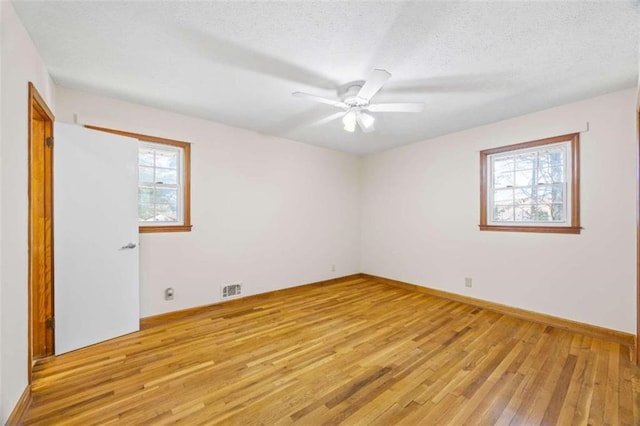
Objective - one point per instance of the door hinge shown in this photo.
(49, 142)
(50, 322)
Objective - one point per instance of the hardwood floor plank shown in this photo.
(568, 409)
(596, 410)
(357, 351)
(550, 374)
(585, 399)
(560, 392)
(625, 404)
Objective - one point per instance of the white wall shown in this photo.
(20, 63)
(268, 212)
(1, 55)
(638, 86)
(420, 215)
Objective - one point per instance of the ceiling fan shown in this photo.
(355, 102)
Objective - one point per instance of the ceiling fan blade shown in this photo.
(366, 122)
(329, 119)
(321, 100)
(397, 107)
(376, 81)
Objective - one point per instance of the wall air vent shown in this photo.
(231, 291)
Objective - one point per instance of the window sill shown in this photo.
(164, 228)
(540, 229)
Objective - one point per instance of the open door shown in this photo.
(40, 230)
(96, 236)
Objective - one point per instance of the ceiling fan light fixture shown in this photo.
(349, 121)
(366, 120)
(355, 99)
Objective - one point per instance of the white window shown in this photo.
(160, 184)
(531, 186)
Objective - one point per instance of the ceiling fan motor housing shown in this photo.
(348, 93)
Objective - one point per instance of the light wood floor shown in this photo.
(356, 352)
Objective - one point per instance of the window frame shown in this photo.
(186, 225)
(573, 187)
(178, 186)
(564, 147)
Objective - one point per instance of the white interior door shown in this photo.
(96, 288)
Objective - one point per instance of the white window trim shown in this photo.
(566, 145)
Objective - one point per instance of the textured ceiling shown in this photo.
(238, 62)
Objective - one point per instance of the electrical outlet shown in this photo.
(333, 267)
(168, 294)
(468, 282)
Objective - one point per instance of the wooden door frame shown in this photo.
(636, 352)
(37, 105)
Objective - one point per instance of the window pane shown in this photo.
(145, 195)
(166, 159)
(502, 165)
(526, 161)
(166, 213)
(503, 180)
(550, 194)
(551, 157)
(525, 177)
(524, 213)
(166, 196)
(554, 174)
(557, 212)
(503, 196)
(167, 176)
(503, 213)
(523, 196)
(145, 174)
(145, 157)
(550, 212)
(145, 212)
